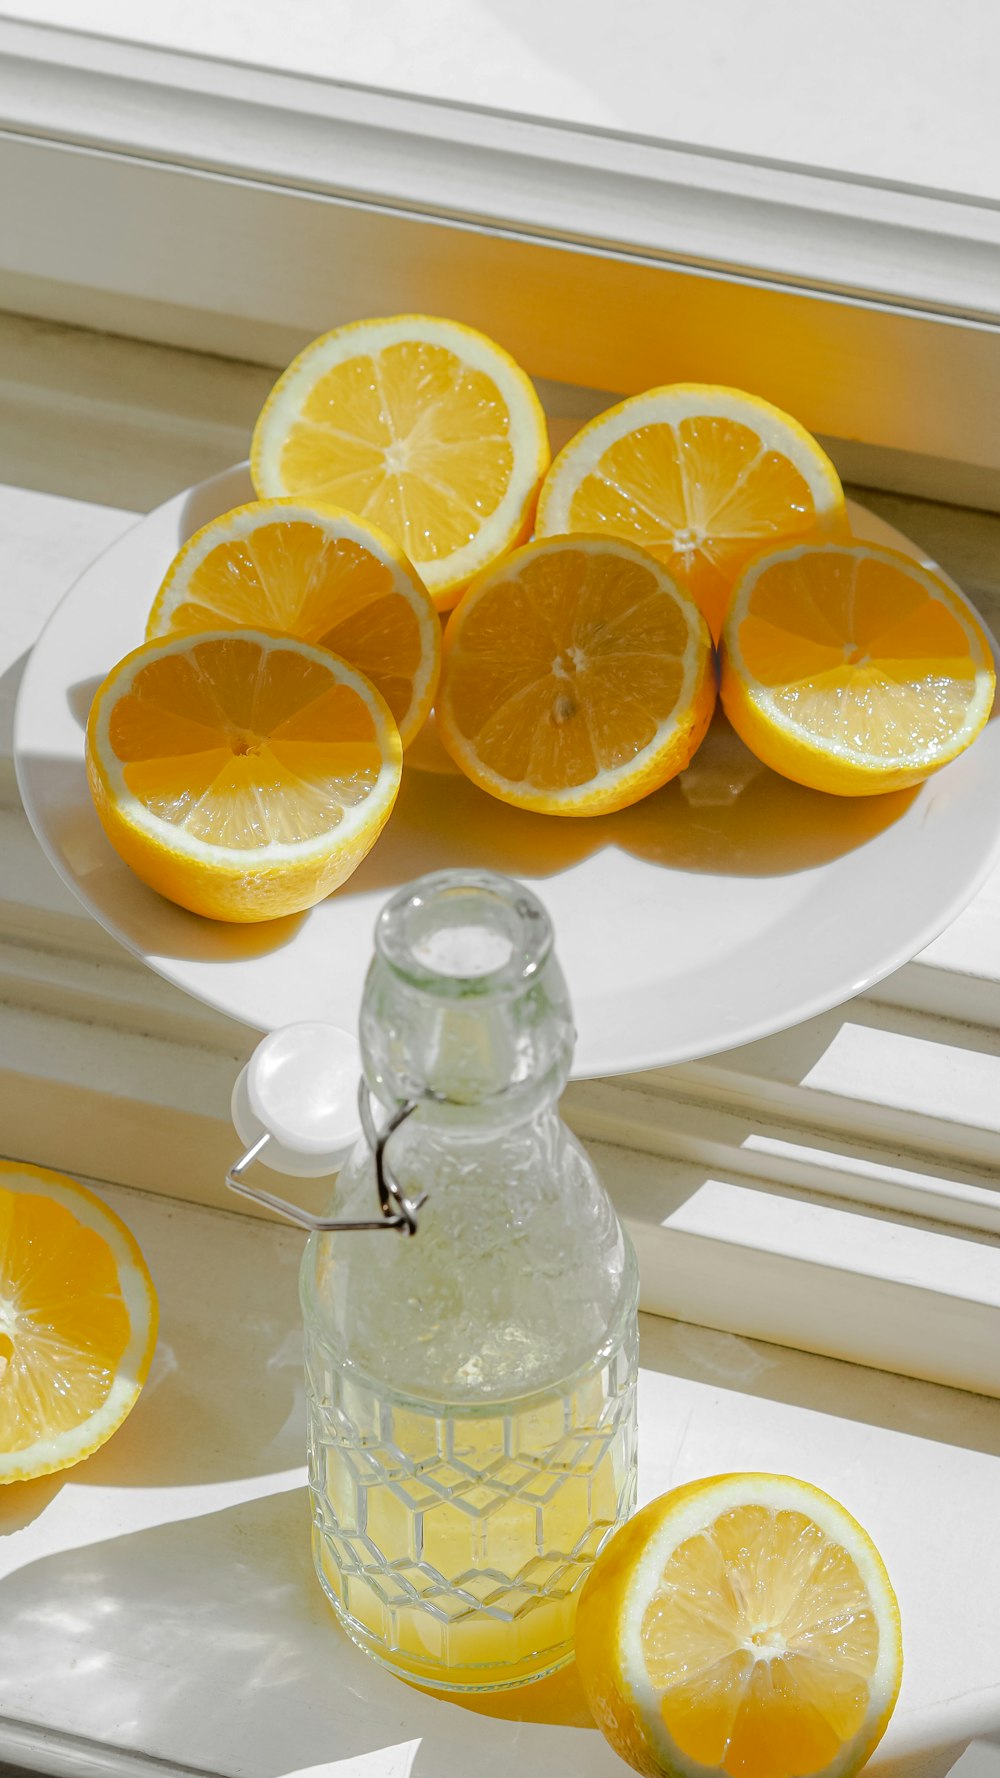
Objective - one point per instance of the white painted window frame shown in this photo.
(850, 1207)
(232, 209)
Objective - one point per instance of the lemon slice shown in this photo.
(577, 677)
(741, 1627)
(851, 669)
(702, 476)
(421, 426)
(320, 575)
(78, 1322)
(241, 774)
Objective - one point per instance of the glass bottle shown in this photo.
(471, 1391)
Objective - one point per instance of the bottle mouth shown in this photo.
(464, 933)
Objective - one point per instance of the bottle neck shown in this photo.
(465, 1011)
(522, 1118)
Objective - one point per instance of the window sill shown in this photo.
(160, 1605)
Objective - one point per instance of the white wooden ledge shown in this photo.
(158, 1613)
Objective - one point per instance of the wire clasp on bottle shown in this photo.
(292, 1106)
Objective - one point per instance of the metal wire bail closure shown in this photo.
(268, 1111)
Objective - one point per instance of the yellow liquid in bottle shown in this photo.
(455, 1545)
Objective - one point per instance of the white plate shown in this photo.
(727, 906)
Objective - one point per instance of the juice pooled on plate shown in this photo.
(472, 1389)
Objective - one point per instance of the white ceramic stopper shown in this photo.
(301, 1087)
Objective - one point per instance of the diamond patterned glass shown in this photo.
(454, 1544)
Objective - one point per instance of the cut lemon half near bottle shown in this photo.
(320, 575)
(421, 426)
(78, 1319)
(702, 476)
(241, 774)
(742, 1627)
(577, 677)
(852, 669)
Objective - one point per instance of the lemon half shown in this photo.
(741, 1627)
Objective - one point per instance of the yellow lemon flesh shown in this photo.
(851, 669)
(577, 677)
(741, 1627)
(318, 574)
(241, 774)
(421, 426)
(78, 1321)
(700, 475)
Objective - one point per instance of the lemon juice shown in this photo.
(456, 1544)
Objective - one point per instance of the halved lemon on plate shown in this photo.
(741, 1627)
(853, 669)
(78, 1318)
(700, 475)
(423, 427)
(241, 774)
(578, 677)
(321, 575)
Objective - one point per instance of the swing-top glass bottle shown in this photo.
(471, 1391)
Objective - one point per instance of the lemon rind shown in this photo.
(62, 1449)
